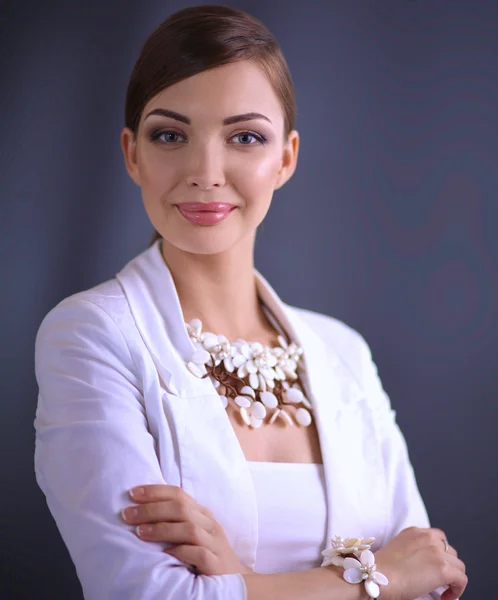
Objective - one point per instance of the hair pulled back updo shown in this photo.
(198, 38)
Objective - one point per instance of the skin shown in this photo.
(210, 161)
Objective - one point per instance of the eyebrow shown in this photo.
(164, 112)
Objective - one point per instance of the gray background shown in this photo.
(389, 224)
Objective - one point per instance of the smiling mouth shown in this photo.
(201, 213)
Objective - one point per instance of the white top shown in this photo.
(292, 515)
(118, 408)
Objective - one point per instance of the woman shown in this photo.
(183, 396)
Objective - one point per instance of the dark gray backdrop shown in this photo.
(397, 110)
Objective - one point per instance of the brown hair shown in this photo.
(198, 38)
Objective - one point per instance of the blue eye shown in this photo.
(248, 134)
(169, 134)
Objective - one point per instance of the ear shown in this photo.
(289, 159)
(129, 148)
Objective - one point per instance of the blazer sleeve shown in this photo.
(93, 446)
(407, 508)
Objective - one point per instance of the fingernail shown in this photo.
(137, 492)
(129, 513)
(144, 529)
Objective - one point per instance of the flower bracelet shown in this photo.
(359, 569)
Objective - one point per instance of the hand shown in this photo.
(416, 563)
(168, 514)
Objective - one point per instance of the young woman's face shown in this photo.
(211, 157)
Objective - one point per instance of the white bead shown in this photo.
(242, 372)
(274, 416)
(248, 391)
(303, 417)
(294, 396)
(254, 381)
(258, 410)
(352, 575)
(256, 422)
(200, 357)
(245, 416)
(286, 417)
(196, 326)
(224, 401)
(268, 399)
(372, 588)
(222, 339)
(281, 341)
(268, 374)
(210, 340)
(379, 577)
(246, 351)
(262, 383)
(197, 370)
(239, 360)
(228, 364)
(242, 401)
(280, 373)
(251, 367)
(257, 347)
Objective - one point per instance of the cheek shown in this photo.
(156, 172)
(259, 175)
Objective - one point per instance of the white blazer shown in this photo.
(117, 408)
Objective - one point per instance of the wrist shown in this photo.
(358, 562)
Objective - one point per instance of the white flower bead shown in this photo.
(228, 364)
(303, 417)
(273, 418)
(245, 416)
(258, 410)
(294, 395)
(242, 401)
(268, 399)
(200, 357)
(248, 391)
(256, 422)
(254, 381)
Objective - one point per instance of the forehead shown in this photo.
(227, 90)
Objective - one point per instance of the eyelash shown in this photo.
(154, 137)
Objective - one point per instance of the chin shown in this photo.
(204, 242)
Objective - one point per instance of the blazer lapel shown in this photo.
(212, 465)
(351, 463)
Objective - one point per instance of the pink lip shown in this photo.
(205, 214)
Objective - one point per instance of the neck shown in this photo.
(218, 289)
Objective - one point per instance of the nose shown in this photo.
(205, 168)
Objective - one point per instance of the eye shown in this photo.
(244, 136)
(171, 137)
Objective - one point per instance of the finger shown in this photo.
(198, 556)
(456, 587)
(158, 492)
(170, 511)
(175, 533)
(161, 492)
(438, 533)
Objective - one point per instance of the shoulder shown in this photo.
(91, 314)
(337, 335)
